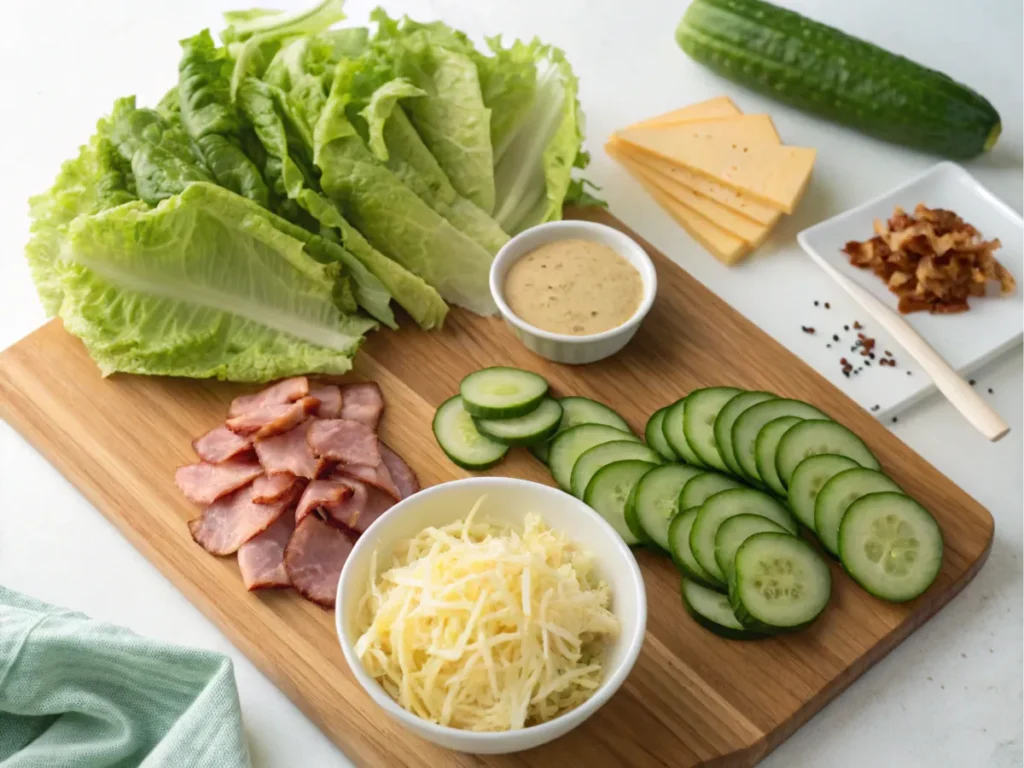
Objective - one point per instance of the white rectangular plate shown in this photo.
(967, 340)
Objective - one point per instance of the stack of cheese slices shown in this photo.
(724, 176)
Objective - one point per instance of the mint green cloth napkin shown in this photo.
(83, 694)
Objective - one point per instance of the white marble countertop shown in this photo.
(950, 695)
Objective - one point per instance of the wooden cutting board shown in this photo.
(692, 699)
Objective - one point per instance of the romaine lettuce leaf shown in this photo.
(158, 150)
(534, 172)
(409, 290)
(452, 119)
(245, 24)
(211, 119)
(508, 83)
(98, 178)
(393, 218)
(204, 285)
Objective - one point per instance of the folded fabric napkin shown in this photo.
(84, 694)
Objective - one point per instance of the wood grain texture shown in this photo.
(692, 699)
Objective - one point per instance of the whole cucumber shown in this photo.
(819, 69)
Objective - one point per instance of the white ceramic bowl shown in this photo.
(508, 500)
(560, 347)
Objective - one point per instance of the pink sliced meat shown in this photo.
(321, 494)
(232, 520)
(350, 442)
(204, 483)
(289, 452)
(378, 477)
(329, 396)
(284, 391)
(267, 489)
(270, 420)
(404, 478)
(362, 402)
(314, 558)
(360, 509)
(220, 444)
(261, 558)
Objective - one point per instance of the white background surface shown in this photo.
(950, 695)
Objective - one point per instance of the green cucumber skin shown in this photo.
(714, 627)
(821, 70)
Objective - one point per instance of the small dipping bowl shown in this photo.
(561, 347)
(508, 501)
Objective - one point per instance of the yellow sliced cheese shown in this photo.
(721, 106)
(723, 245)
(774, 175)
(681, 177)
(745, 129)
(746, 229)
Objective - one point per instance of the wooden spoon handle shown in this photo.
(961, 394)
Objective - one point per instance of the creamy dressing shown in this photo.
(575, 287)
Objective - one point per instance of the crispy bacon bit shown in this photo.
(806, 329)
(933, 260)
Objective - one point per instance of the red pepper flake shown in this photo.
(857, 325)
(806, 329)
(888, 353)
(827, 305)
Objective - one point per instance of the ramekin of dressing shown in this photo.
(573, 291)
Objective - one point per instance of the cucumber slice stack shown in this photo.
(723, 482)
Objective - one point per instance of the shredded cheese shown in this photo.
(486, 628)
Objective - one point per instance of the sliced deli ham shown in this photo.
(232, 520)
(329, 396)
(284, 391)
(204, 483)
(269, 420)
(404, 478)
(221, 444)
(350, 442)
(358, 510)
(362, 402)
(378, 477)
(314, 558)
(261, 558)
(290, 452)
(266, 489)
(321, 494)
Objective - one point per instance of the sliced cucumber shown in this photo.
(703, 486)
(591, 460)
(778, 582)
(891, 546)
(719, 508)
(712, 611)
(672, 426)
(530, 429)
(656, 438)
(459, 439)
(679, 545)
(701, 410)
(809, 478)
(727, 417)
(764, 451)
(576, 411)
(734, 531)
(747, 427)
(814, 437)
(501, 393)
(836, 496)
(610, 489)
(568, 446)
(656, 501)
